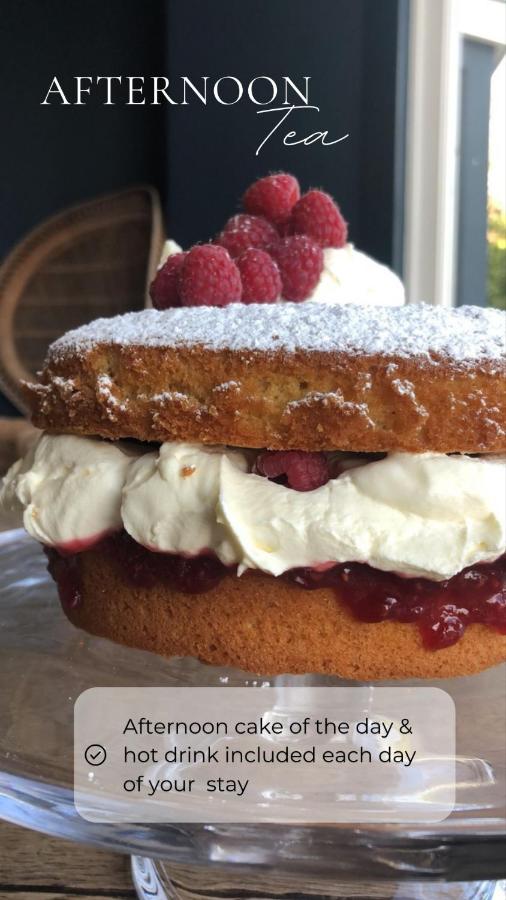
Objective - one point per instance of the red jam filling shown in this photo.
(65, 572)
(70, 548)
(441, 609)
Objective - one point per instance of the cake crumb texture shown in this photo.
(266, 625)
(284, 376)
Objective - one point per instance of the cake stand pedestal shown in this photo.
(45, 664)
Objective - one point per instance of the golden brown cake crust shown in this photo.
(301, 376)
(305, 400)
(269, 626)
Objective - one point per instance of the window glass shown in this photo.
(496, 230)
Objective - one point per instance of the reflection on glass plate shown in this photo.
(45, 664)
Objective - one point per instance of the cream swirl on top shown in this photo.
(348, 276)
(427, 515)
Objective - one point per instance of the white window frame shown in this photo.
(437, 29)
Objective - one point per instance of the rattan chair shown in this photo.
(91, 260)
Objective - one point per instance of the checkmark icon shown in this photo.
(95, 755)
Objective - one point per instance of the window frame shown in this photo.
(437, 31)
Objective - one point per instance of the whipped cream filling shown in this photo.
(171, 496)
(427, 515)
(348, 276)
(67, 490)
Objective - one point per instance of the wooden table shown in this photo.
(36, 867)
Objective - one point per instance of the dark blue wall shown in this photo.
(201, 160)
(53, 156)
(353, 49)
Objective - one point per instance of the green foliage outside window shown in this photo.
(496, 281)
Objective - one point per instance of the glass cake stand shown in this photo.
(45, 664)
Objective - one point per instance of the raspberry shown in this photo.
(209, 277)
(261, 281)
(285, 228)
(242, 232)
(302, 471)
(272, 197)
(317, 215)
(444, 626)
(164, 289)
(300, 262)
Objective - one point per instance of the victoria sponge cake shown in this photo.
(281, 487)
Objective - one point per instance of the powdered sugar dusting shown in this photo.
(404, 388)
(104, 389)
(331, 399)
(465, 335)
